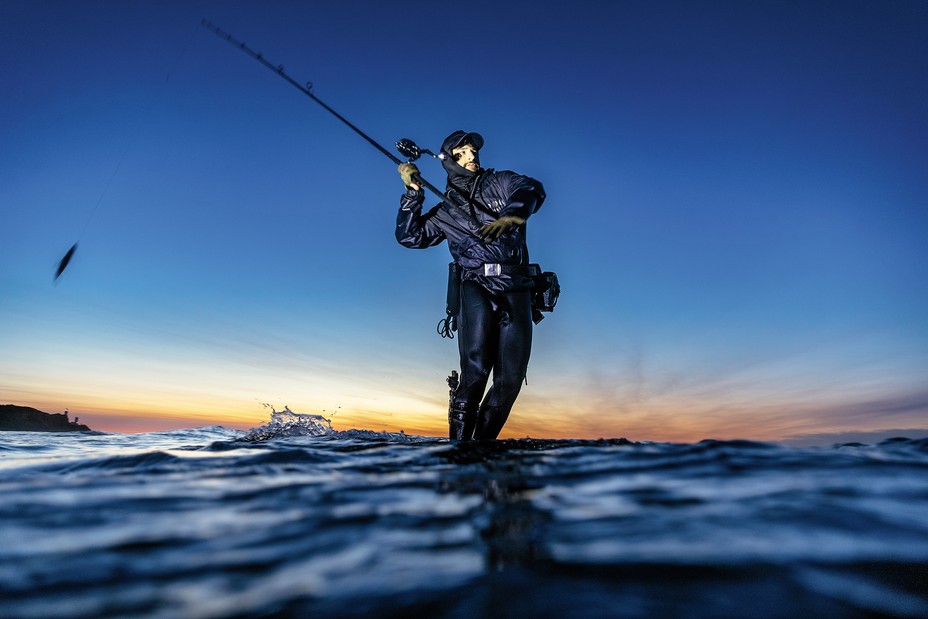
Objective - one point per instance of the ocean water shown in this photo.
(297, 520)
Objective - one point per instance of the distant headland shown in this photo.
(15, 418)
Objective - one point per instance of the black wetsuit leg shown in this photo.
(494, 334)
(514, 347)
(477, 344)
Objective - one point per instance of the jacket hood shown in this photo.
(461, 178)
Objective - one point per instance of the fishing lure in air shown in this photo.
(66, 259)
(63, 263)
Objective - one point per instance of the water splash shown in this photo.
(286, 423)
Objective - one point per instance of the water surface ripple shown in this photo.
(216, 523)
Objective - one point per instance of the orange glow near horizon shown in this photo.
(533, 417)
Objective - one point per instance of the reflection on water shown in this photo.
(305, 521)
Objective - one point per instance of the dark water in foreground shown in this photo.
(201, 523)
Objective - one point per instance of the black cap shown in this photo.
(460, 137)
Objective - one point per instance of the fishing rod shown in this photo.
(406, 147)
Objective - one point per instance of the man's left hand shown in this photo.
(498, 228)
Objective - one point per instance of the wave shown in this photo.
(302, 520)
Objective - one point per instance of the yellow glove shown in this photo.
(408, 171)
(498, 228)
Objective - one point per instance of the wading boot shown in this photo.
(490, 421)
(461, 423)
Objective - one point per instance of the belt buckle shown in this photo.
(492, 270)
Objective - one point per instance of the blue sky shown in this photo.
(736, 211)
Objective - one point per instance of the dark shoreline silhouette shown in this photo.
(15, 418)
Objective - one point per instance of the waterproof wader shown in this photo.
(494, 335)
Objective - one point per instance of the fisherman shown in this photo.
(483, 220)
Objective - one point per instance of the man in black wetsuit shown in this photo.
(483, 220)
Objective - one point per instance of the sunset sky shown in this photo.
(737, 211)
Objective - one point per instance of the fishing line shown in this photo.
(66, 259)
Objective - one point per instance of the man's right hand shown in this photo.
(408, 171)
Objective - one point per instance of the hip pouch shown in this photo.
(545, 292)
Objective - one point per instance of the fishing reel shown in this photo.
(412, 151)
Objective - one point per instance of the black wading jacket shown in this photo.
(497, 194)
